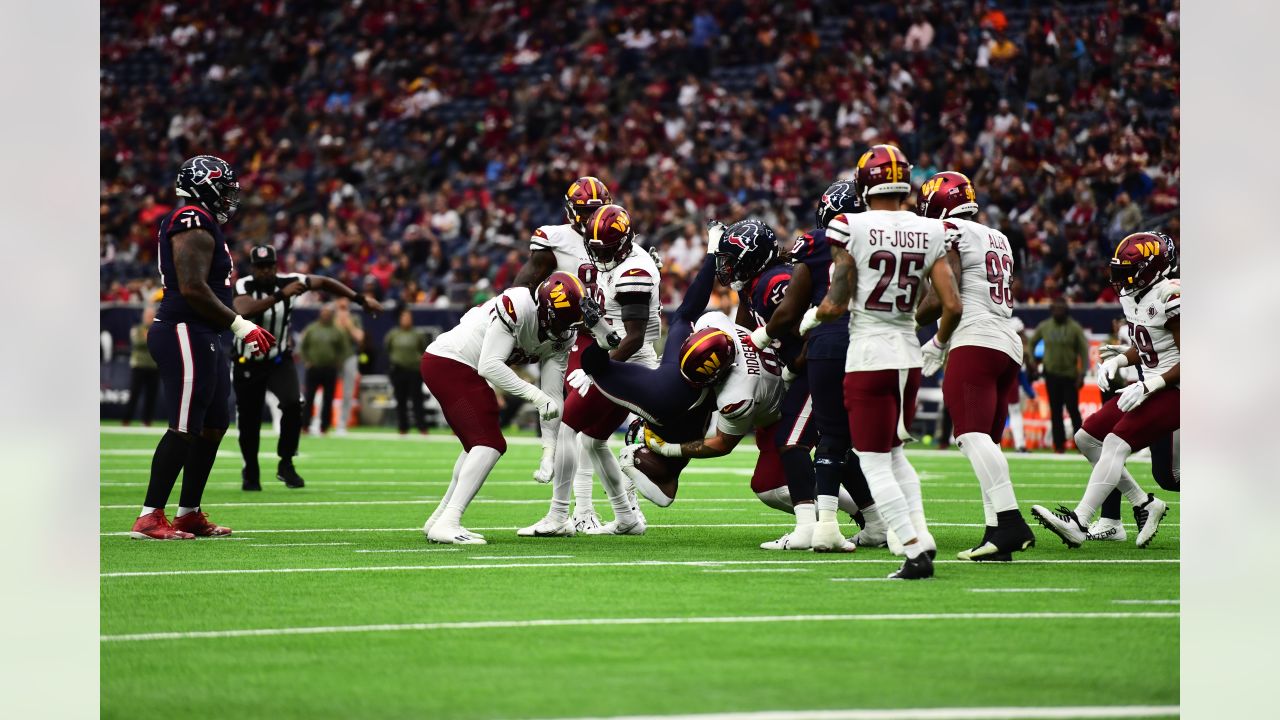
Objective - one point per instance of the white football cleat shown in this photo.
(549, 527)
(828, 538)
(1063, 523)
(431, 521)
(616, 527)
(1149, 514)
(546, 468)
(801, 538)
(584, 522)
(1107, 530)
(894, 544)
(456, 535)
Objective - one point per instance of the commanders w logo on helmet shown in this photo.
(559, 299)
(1142, 260)
(584, 196)
(609, 237)
(947, 194)
(706, 356)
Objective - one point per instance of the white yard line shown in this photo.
(752, 619)
(958, 713)
(634, 563)
(413, 550)
(276, 545)
(864, 579)
(1025, 590)
(756, 570)
(517, 557)
(1147, 602)
(528, 501)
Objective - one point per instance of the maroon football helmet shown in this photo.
(583, 197)
(947, 194)
(882, 170)
(559, 300)
(1142, 260)
(706, 356)
(608, 237)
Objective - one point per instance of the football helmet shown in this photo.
(882, 170)
(947, 194)
(608, 237)
(1142, 260)
(559, 299)
(744, 251)
(837, 199)
(212, 183)
(583, 197)
(706, 357)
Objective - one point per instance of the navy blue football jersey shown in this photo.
(173, 307)
(813, 250)
(764, 296)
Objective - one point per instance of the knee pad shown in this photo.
(778, 499)
(1086, 441)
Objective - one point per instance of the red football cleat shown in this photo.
(197, 523)
(155, 526)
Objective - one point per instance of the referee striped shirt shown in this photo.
(274, 319)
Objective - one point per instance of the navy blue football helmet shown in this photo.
(211, 182)
(744, 251)
(837, 199)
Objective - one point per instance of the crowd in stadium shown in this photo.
(409, 148)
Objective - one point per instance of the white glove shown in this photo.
(1106, 352)
(809, 321)
(257, 341)
(715, 231)
(546, 468)
(788, 376)
(934, 353)
(660, 446)
(1109, 370)
(760, 338)
(579, 380)
(657, 259)
(548, 408)
(1135, 394)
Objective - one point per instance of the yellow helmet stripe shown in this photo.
(700, 342)
(592, 182)
(595, 228)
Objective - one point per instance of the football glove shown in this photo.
(579, 380)
(715, 231)
(1106, 352)
(546, 468)
(548, 408)
(593, 319)
(1109, 370)
(934, 354)
(257, 342)
(657, 259)
(1134, 395)
(809, 321)
(760, 338)
(660, 446)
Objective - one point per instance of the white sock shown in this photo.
(1105, 476)
(826, 507)
(878, 468)
(566, 469)
(777, 498)
(992, 469)
(806, 514)
(908, 480)
(186, 511)
(1017, 427)
(582, 479)
(147, 510)
(611, 477)
(1091, 448)
(475, 469)
(453, 483)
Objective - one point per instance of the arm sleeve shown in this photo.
(497, 347)
(635, 305)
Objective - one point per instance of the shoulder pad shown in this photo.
(738, 410)
(541, 240)
(804, 245)
(507, 311)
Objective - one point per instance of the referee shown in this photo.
(267, 297)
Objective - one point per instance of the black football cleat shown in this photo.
(1013, 535)
(917, 568)
(287, 475)
(967, 554)
(249, 481)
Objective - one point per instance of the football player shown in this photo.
(880, 259)
(984, 358)
(195, 272)
(627, 288)
(1144, 411)
(559, 248)
(459, 366)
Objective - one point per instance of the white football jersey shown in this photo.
(986, 287)
(636, 274)
(893, 251)
(1148, 316)
(751, 395)
(516, 313)
(570, 252)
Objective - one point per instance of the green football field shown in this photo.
(327, 602)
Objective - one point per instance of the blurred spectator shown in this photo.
(1066, 360)
(323, 348)
(144, 377)
(404, 346)
(349, 323)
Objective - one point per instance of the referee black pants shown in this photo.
(1062, 392)
(251, 381)
(142, 381)
(407, 383)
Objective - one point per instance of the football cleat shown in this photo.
(616, 527)
(586, 521)
(918, 568)
(249, 480)
(828, 538)
(546, 468)
(1108, 530)
(287, 475)
(967, 554)
(155, 526)
(801, 538)
(1148, 516)
(1003, 542)
(1063, 523)
(456, 535)
(870, 534)
(431, 521)
(197, 523)
(549, 527)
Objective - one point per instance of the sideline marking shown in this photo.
(1025, 590)
(960, 713)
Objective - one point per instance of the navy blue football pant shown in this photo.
(195, 373)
